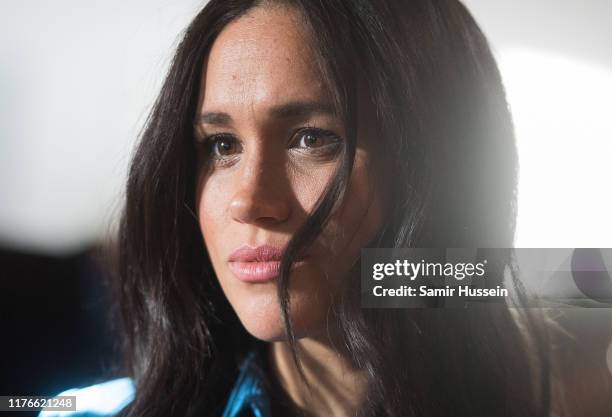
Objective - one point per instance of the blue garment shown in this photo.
(247, 398)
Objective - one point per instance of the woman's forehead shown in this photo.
(261, 59)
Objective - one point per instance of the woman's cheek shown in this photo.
(213, 212)
(308, 181)
(356, 222)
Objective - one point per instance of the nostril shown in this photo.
(258, 207)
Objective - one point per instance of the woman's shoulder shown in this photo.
(99, 400)
(249, 394)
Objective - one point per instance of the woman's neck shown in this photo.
(335, 387)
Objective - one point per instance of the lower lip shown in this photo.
(258, 271)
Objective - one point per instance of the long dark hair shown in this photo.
(446, 139)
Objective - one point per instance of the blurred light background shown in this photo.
(556, 61)
(78, 78)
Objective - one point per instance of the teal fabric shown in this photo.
(248, 398)
(100, 400)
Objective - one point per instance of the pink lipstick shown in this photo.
(257, 264)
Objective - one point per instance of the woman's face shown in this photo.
(268, 143)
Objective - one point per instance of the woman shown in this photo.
(288, 136)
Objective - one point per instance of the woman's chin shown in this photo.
(265, 323)
(265, 330)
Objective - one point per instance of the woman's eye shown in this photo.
(224, 146)
(311, 138)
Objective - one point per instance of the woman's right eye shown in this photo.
(223, 146)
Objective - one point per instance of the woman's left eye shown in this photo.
(312, 138)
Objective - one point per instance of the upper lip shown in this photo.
(262, 253)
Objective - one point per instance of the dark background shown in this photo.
(56, 323)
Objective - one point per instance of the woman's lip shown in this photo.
(257, 271)
(262, 253)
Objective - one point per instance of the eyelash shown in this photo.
(326, 150)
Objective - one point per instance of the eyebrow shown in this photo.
(290, 110)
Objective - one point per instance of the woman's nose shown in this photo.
(261, 195)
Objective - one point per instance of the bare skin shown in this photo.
(336, 387)
(269, 138)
